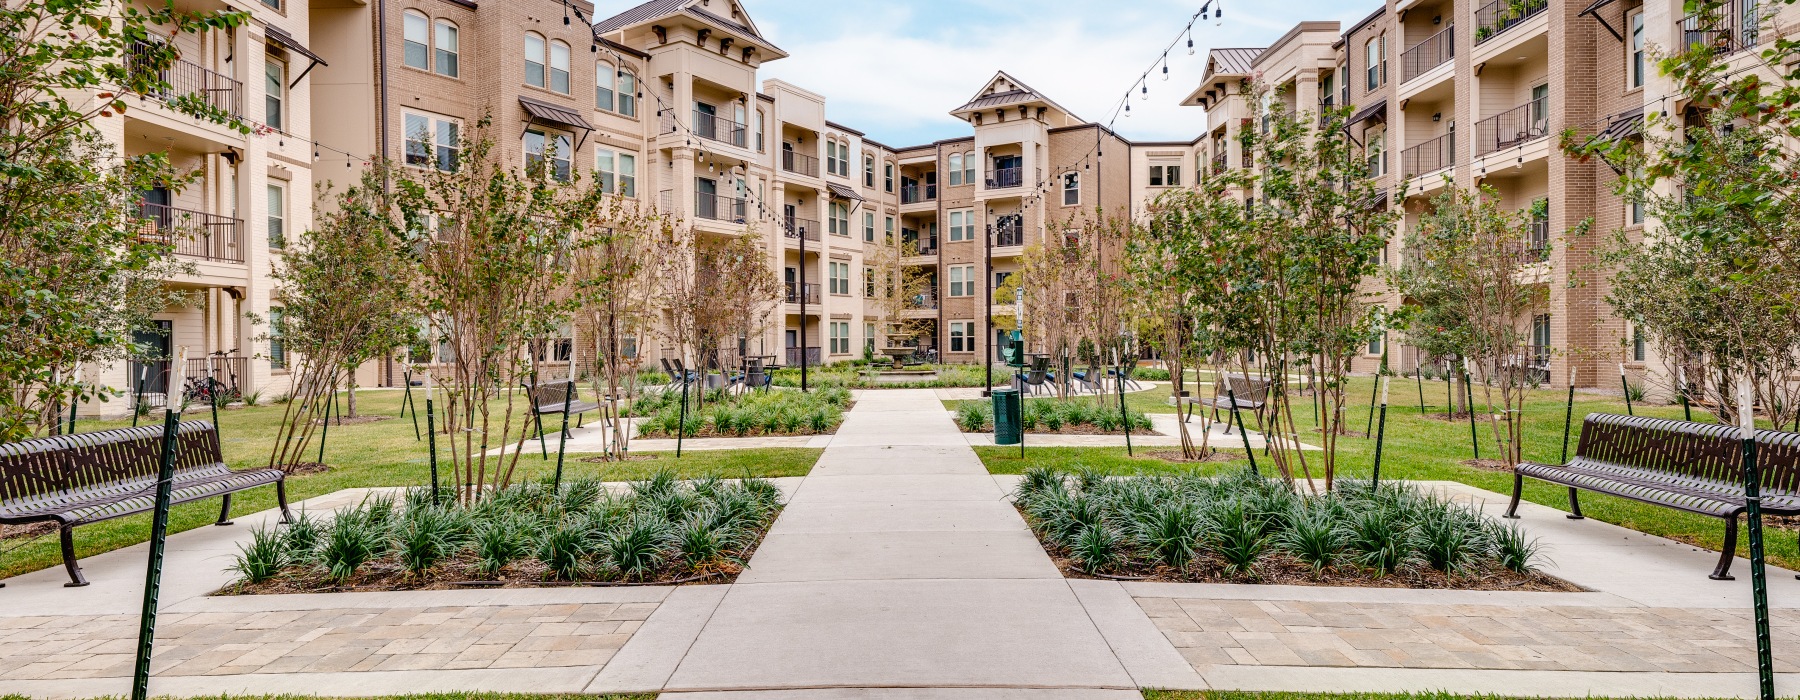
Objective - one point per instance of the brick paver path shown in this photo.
(325, 640)
(1402, 635)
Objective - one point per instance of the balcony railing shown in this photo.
(721, 129)
(794, 293)
(1537, 243)
(1428, 54)
(793, 356)
(927, 244)
(1006, 177)
(1431, 156)
(1526, 122)
(1006, 236)
(799, 163)
(926, 301)
(195, 234)
(189, 79)
(1732, 26)
(913, 194)
(719, 208)
(798, 227)
(1501, 15)
(1220, 163)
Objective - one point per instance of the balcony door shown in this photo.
(150, 367)
(703, 120)
(706, 198)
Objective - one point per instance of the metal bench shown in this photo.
(555, 398)
(1695, 467)
(1251, 394)
(74, 480)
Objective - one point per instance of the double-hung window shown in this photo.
(604, 75)
(962, 225)
(839, 278)
(559, 67)
(277, 218)
(627, 93)
(274, 92)
(1638, 65)
(956, 170)
(432, 142)
(448, 49)
(536, 69)
(869, 171)
(416, 31)
(548, 150)
(840, 337)
(869, 226)
(962, 336)
(1071, 186)
(963, 280)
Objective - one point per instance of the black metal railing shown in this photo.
(227, 370)
(719, 207)
(797, 227)
(716, 128)
(195, 234)
(1431, 156)
(793, 356)
(1537, 241)
(1731, 26)
(1501, 15)
(1526, 122)
(913, 194)
(800, 163)
(1006, 177)
(1220, 163)
(1428, 54)
(927, 245)
(1005, 236)
(189, 79)
(927, 301)
(795, 291)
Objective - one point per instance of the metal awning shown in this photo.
(287, 41)
(1624, 125)
(540, 110)
(1374, 111)
(843, 192)
(1593, 10)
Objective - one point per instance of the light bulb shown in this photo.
(1190, 44)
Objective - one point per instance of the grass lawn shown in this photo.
(1425, 449)
(1246, 695)
(383, 453)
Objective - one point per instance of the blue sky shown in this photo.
(894, 68)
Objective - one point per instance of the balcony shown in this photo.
(802, 293)
(716, 128)
(802, 228)
(1732, 26)
(193, 234)
(927, 301)
(913, 194)
(1220, 163)
(1501, 15)
(812, 356)
(1429, 157)
(1428, 54)
(719, 208)
(1526, 122)
(1008, 236)
(799, 164)
(189, 81)
(1003, 178)
(927, 245)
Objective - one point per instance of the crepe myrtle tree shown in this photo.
(612, 285)
(78, 271)
(1709, 281)
(1313, 233)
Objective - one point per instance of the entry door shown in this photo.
(150, 368)
(704, 122)
(706, 198)
(793, 338)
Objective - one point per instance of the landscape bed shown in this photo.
(659, 531)
(1241, 528)
(752, 414)
(1074, 417)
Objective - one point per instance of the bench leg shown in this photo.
(1722, 572)
(1512, 510)
(224, 511)
(287, 518)
(1574, 506)
(68, 552)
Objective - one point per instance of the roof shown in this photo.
(1378, 110)
(843, 192)
(1020, 93)
(555, 114)
(1000, 99)
(1234, 61)
(654, 9)
(280, 36)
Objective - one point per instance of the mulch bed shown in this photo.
(308, 468)
(1082, 429)
(21, 532)
(1282, 570)
(1492, 465)
(1458, 417)
(710, 431)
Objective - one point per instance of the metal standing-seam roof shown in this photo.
(1231, 61)
(648, 11)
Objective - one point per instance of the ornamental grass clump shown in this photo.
(1241, 527)
(659, 529)
(756, 413)
(1054, 416)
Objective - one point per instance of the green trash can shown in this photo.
(1007, 409)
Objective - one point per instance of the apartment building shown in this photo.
(1463, 93)
(251, 193)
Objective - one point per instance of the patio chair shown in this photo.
(1124, 375)
(1038, 379)
(1091, 380)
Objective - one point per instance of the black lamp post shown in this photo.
(987, 314)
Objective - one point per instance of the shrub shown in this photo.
(1313, 536)
(972, 418)
(263, 557)
(1097, 548)
(1511, 548)
(564, 547)
(427, 536)
(302, 539)
(1170, 533)
(638, 546)
(353, 539)
(501, 540)
(1237, 535)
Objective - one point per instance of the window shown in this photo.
(627, 93)
(1071, 186)
(540, 145)
(628, 174)
(275, 89)
(869, 226)
(447, 51)
(839, 215)
(962, 280)
(890, 231)
(869, 282)
(1377, 154)
(1540, 109)
(417, 30)
(272, 3)
(869, 338)
(1639, 345)
(1540, 332)
(559, 67)
(956, 169)
(1000, 279)
(839, 278)
(962, 225)
(432, 142)
(1634, 207)
(1173, 173)
(1165, 176)
(759, 131)
(534, 60)
(831, 157)
(962, 336)
(889, 185)
(277, 217)
(277, 346)
(1375, 345)
(1637, 50)
(604, 75)
(1375, 53)
(1344, 84)
(869, 171)
(606, 169)
(840, 337)
(969, 168)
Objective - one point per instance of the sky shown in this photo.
(895, 68)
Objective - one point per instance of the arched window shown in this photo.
(604, 75)
(534, 59)
(955, 169)
(559, 67)
(447, 50)
(627, 93)
(868, 171)
(1375, 53)
(418, 36)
